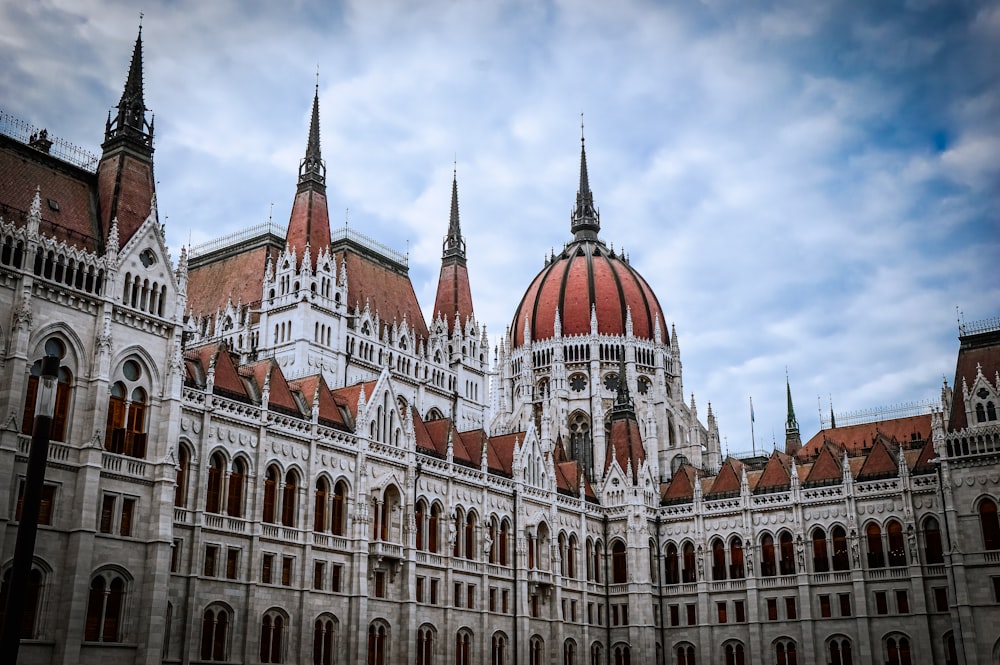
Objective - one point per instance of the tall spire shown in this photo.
(793, 441)
(624, 406)
(454, 295)
(454, 243)
(312, 169)
(129, 125)
(309, 223)
(586, 220)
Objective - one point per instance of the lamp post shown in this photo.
(27, 529)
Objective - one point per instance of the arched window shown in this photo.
(685, 654)
(237, 481)
(272, 626)
(897, 545)
(897, 651)
(673, 565)
(787, 553)
(319, 510)
(596, 654)
(105, 607)
(734, 654)
(950, 653)
(991, 411)
(470, 536)
(619, 563)
(183, 467)
(784, 652)
(767, 562)
(498, 649)
(419, 514)
(821, 562)
(32, 602)
(841, 557)
(215, 634)
(690, 572)
(213, 494)
(571, 556)
(980, 413)
(562, 554)
(933, 551)
(125, 431)
(569, 652)
(535, 650)
(433, 530)
(873, 536)
(64, 391)
(378, 643)
(325, 640)
(718, 560)
(425, 645)
(839, 649)
(288, 499)
(270, 494)
(463, 647)
(989, 524)
(337, 522)
(737, 569)
(598, 559)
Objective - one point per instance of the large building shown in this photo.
(264, 453)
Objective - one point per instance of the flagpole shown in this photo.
(753, 438)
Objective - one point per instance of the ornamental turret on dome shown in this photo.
(586, 278)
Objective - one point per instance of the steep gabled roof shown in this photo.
(472, 443)
(777, 473)
(625, 446)
(826, 469)
(923, 462)
(881, 460)
(280, 397)
(727, 481)
(978, 351)
(681, 485)
(330, 413)
(500, 452)
(348, 396)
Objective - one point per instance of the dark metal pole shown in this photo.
(27, 529)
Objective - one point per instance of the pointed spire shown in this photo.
(623, 399)
(130, 124)
(586, 220)
(312, 168)
(793, 440)
(454, 243)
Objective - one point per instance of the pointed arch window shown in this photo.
(718, 560)
(270, 494)
(324, 641)
(933, 550)
(623, 655)
(821, 563)
(897, 651)
(463, 647)
(183, 468)
(64, 392)
(690, 572)
(787, 553)
(214, 634)
(339, 509)
(873, 537)
(125, 431)
(685, 655)
(272, 628)
(378, 642)
(785, 653)
(105, 605)
(319, 511)
(470, 536)
(989, 524)
(571, 554)
(737, 569)
(840, 652)
(288, 499)
(569, 652)
(767, 561)
(734, 654)
(213, 493)
(420, 514)
(433, 528)
(425, 646)
(237, 481)
(672, 563)
(897, 544)
(619, 563)
(498, 649)
(535, 650)
(32, 602)
(841, 557)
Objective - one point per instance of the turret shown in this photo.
(454, 296)
(309, 223)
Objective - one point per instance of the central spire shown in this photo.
(586, 220)
(454, 244)
(129, 125)
(793, 440)
(312, 169)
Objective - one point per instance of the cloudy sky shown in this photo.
(805, 185)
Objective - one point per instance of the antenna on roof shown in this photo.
(347, 216)
(270, 212)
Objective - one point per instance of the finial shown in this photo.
(317, 78)
(140, 22)
(582, 138)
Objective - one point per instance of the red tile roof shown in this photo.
(387, 291)
(681, 486)
(585, 276)
(881, 460)
(975, 351)
(777, 473)
(855, 438)
(237, 278)
(309, 223)
(73, 190)
(625, 445)
(348, 396)
(827, 467)
(728, 479)
(500, 453)
(330, 414)
(454, 296)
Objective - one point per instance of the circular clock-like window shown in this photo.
(131, 370)
(578, 382)
(643, 385)
(611, 382)
(147, 257)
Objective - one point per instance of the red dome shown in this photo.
(586, 275)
